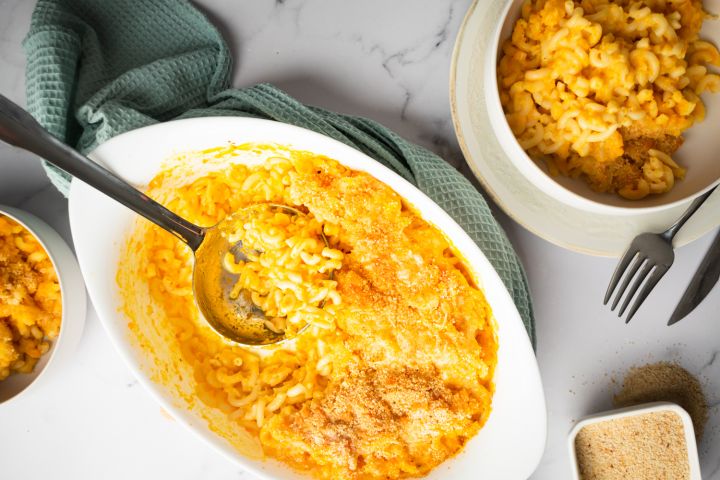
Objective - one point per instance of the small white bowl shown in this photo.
(74, 304)
(698, 153)
(644, 408)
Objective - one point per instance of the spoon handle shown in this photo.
(19, 128)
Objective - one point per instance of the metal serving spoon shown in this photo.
(238, 318)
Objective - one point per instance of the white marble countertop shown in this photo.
(388, 61)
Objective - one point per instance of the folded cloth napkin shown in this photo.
(98, 69)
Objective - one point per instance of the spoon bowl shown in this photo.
(237, 319)
(233, 316)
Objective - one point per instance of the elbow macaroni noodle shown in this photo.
(394, 372)
(592, 86)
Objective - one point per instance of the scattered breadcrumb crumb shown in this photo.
(665, 382)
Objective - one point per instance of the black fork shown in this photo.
(650, 254)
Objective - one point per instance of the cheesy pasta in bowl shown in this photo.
(42, 303)
(600, 96)
(406, 348)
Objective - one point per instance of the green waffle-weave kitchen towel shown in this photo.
(96, 69)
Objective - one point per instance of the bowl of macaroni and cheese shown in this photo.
(42, 304)
(405, 356)
(608, 106)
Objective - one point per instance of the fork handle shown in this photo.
(670, 233)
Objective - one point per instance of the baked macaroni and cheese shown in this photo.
(604, 90)
(30, 299)
(393, 374)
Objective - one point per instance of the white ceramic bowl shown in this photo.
(698, 153)
(74, 301)
(508, 447)
(693, 458)
(513, 191)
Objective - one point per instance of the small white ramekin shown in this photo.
(644, 408)
(74, 304)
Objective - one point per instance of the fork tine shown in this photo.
(639, 260)
(619, 270)
(657, 274)
(636, 284)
